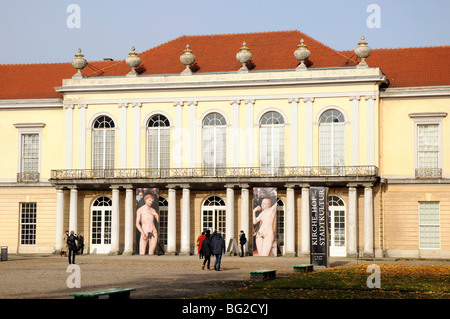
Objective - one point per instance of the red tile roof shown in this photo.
(411, 67)
(217, 53)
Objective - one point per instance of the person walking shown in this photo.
(218, 247)
(200, 239)
(71, 243)
(206, 250)
(64, 247)
(242, 241)
(80, 244)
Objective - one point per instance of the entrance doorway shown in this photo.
(101, 212)
(214, 215)
(336, 223)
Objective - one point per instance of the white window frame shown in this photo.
(427, 119)
(215, 132)
(332, 128)
(103, 130)
(162, 158)
(422, 224)
(28, 129)
(271, 134)
(29, 236)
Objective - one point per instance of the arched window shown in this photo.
(101, 213)
(214, 140)
(280, 222)
(214, 215)
(158, 144)
(271, 139)
(336, 224)
(332, 139)
(103, 143)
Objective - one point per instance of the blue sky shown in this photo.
(37, 31)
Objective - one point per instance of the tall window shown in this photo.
(213, 215)
(271, 142)
(28, 214)
(30, 154)
(163, 219)
(214, 143)
(158, 144)
(331, 139)
(428, 146)
(103, 143)
(429, 225)
(280, 221)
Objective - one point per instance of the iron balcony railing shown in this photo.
(228, 172)
(428, 173)
(28, 177)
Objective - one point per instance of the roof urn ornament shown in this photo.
(243, 56)
(187, 58)
(133, 61)
(79, 63)
(302, 54)
(362, 51)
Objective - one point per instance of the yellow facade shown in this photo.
(379, 142)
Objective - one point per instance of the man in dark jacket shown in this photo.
(206, 249)
(71, 243)
(242, 241)
(218, 247)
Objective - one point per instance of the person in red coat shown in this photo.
(200, 239)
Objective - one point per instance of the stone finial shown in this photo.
(79, 63)
(302, 54)
(362, 51)
(133, 61)
(244, 56)
(187, 58)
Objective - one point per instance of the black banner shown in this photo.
(318, 203)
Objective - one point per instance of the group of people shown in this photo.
(72, 245)
(214, 245)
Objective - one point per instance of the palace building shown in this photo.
(206, 121)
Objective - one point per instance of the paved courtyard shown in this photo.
(154, 277)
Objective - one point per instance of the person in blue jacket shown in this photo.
(218, 247)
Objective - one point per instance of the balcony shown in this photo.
(428, 173)
(208, 176)
(28, 177)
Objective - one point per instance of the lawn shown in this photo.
(397, 281)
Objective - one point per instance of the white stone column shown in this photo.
(305, 222)
(186, 222)
(249, 128)
(245, 215)
(129, 224)
(68, 142)
(354, 149)
(229, 215)
(123, 135)
(115, 220)
(289, 242)
(293, 142)
(368, 221)
(235, 132)
(82, 137)
(59, 233)
(172, 222)
(73, 213)
(137, 135)
(309, 146)
(352, 244)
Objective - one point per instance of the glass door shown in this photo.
(101, 213)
